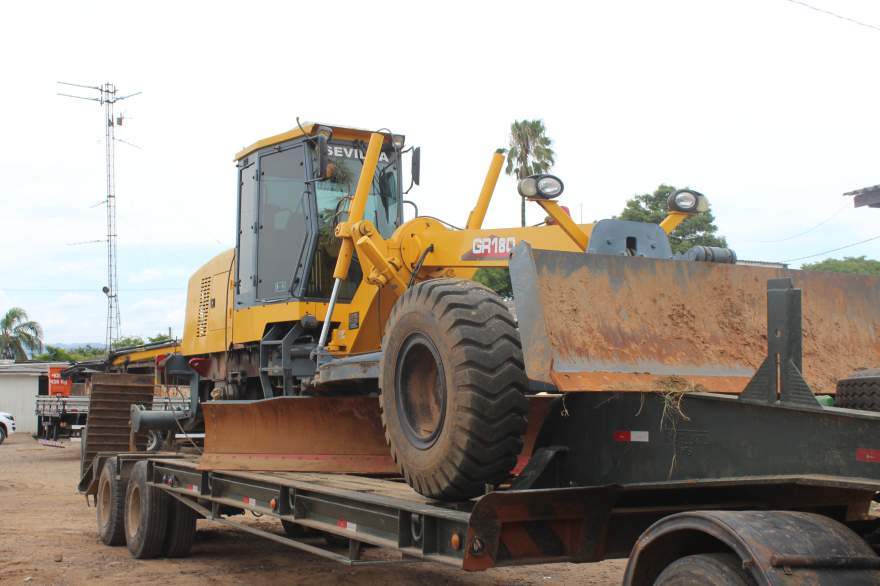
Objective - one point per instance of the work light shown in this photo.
(685, 200)
(543, 186)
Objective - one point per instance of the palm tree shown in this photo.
(530, 152)
(19, 335)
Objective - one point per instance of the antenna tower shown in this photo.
(107, 97)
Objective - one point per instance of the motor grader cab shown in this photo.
(330, 299)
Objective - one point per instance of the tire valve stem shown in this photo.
(477, 546)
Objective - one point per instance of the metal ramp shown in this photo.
(107, 428)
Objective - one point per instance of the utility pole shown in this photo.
(107, 97)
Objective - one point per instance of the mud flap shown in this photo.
(596, 322)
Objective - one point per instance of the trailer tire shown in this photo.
(110, 504)
(181, 530)
(860, 390)
(453, 388)
(146, 515)
(711, 569)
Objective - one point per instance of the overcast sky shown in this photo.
(766, 106)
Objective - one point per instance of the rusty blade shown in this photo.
(296, 434)
(592, 322)
(314, 434)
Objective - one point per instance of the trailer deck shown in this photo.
(502, 528)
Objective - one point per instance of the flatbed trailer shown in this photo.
(783, 529)
(767, 487)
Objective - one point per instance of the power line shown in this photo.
(807, 231)
(835, 15)
(877, 237)
(4, 289)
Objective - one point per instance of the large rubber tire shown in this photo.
(453, 388)
(2, 435)
(860, 390)
(146, 515)
(181, 530)
(707, 569)
(110, 504)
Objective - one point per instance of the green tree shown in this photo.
(18, 335)
(158, 338)
(54, 354)
(530, 152)
(77, 354)
(859, 265)
(496, 279)
(128, 342)
(698, 230)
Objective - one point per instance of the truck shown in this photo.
(62, 413)
(351, 378)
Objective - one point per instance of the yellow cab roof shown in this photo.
(339, 132)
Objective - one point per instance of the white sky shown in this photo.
(767, 107)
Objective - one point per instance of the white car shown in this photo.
(7, 425)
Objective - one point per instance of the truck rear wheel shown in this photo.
(453, 388)
(181, 530)
(146, 515)
(110, 507)
(709, 569)
(860, 390)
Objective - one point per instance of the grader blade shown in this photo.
(315, 434)
(595, 322)
(296, 434)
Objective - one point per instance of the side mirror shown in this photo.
(321, 157)
(416, 164)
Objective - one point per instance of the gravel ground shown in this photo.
(48, 536)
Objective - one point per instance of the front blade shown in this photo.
(594, 322)
(296, 434)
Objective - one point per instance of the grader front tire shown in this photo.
(453, 388)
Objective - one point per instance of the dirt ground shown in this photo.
(48, 536)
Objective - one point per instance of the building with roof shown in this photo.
(20, 383)
(868, 196)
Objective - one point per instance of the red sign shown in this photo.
(58, 386)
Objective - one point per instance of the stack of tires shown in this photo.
(860, 390)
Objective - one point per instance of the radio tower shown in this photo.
(107, 97)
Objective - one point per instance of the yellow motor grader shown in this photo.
(338, 337)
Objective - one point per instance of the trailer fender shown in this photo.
(776, 547)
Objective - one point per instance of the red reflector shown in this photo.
(866, 455)
(342, 523)
(621, 436)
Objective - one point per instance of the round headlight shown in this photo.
(528, 187)
(686, 200)
(683, 200)
(550, 186)
(543, 186)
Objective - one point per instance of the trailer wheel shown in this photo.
(110, 507)
(453, 384)
(709, 569)
(146, 515)
(860, 390)
(181, 530)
